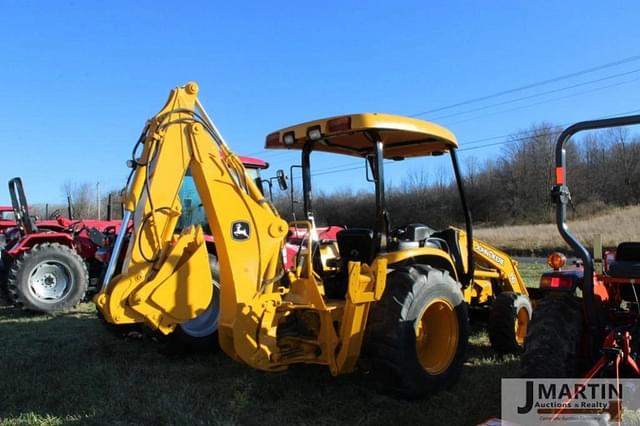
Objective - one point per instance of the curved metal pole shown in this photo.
(467, 219)
(21, 207)
(382, 220)
(293, 202)
(561, 197)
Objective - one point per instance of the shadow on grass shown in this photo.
(68, 368)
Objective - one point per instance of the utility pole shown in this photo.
(98, 198)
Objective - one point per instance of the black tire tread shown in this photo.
(553, 340)
(501, 322)
(390, 335)
(15, 290)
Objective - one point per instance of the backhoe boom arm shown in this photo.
(166, 280)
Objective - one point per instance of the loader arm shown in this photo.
(506, 267)
(492, 266)
(165, 279)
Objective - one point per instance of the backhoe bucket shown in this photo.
(179, 291)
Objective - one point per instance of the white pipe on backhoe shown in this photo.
(117, 246)
(211, 124)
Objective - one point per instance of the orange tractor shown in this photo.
(586, 323)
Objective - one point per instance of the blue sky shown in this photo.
(79, 79)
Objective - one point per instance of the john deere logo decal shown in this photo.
(240, 230)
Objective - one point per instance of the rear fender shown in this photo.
(574, 278)
(434, 257)
(561, 281)
(32, 240)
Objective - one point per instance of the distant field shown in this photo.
(68, 370)
(617, 225)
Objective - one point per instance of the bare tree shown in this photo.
(82, 196)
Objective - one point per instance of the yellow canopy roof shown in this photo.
(354, 135)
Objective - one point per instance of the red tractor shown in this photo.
(7, 221)
(597, 333)
(50, 264)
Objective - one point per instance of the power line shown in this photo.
(584, 92)
(346, 169)
(531, 85)
(339, 169)
(517, 89)
(536, 95)
(522, 136)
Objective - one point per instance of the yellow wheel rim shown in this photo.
(521, 325)
(437, 336)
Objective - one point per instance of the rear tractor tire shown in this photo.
(552, 348)
(508, 322)
(4, 272)
(417, 334)
(49, 278)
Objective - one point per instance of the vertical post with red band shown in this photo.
(559, 175)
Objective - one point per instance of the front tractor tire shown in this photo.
(417, 334)
(552, 348)
(48, 278)
(508, 322)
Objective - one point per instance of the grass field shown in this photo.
(68, 369)
(615, 226)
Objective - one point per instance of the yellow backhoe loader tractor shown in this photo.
(402, 306)
(495, 284)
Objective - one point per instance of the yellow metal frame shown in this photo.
(402, 136)
(166, 280)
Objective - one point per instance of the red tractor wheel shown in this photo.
(48, 278)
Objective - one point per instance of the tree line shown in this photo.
(81, 202)
(512, 188)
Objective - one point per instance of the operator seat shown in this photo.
(626, 264)
(355, 245)
(450, 236)
(413, 235)
(627, 261)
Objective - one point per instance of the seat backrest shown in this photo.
(356, 245)
(628, 251)
(416, 232)
(450, 236)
